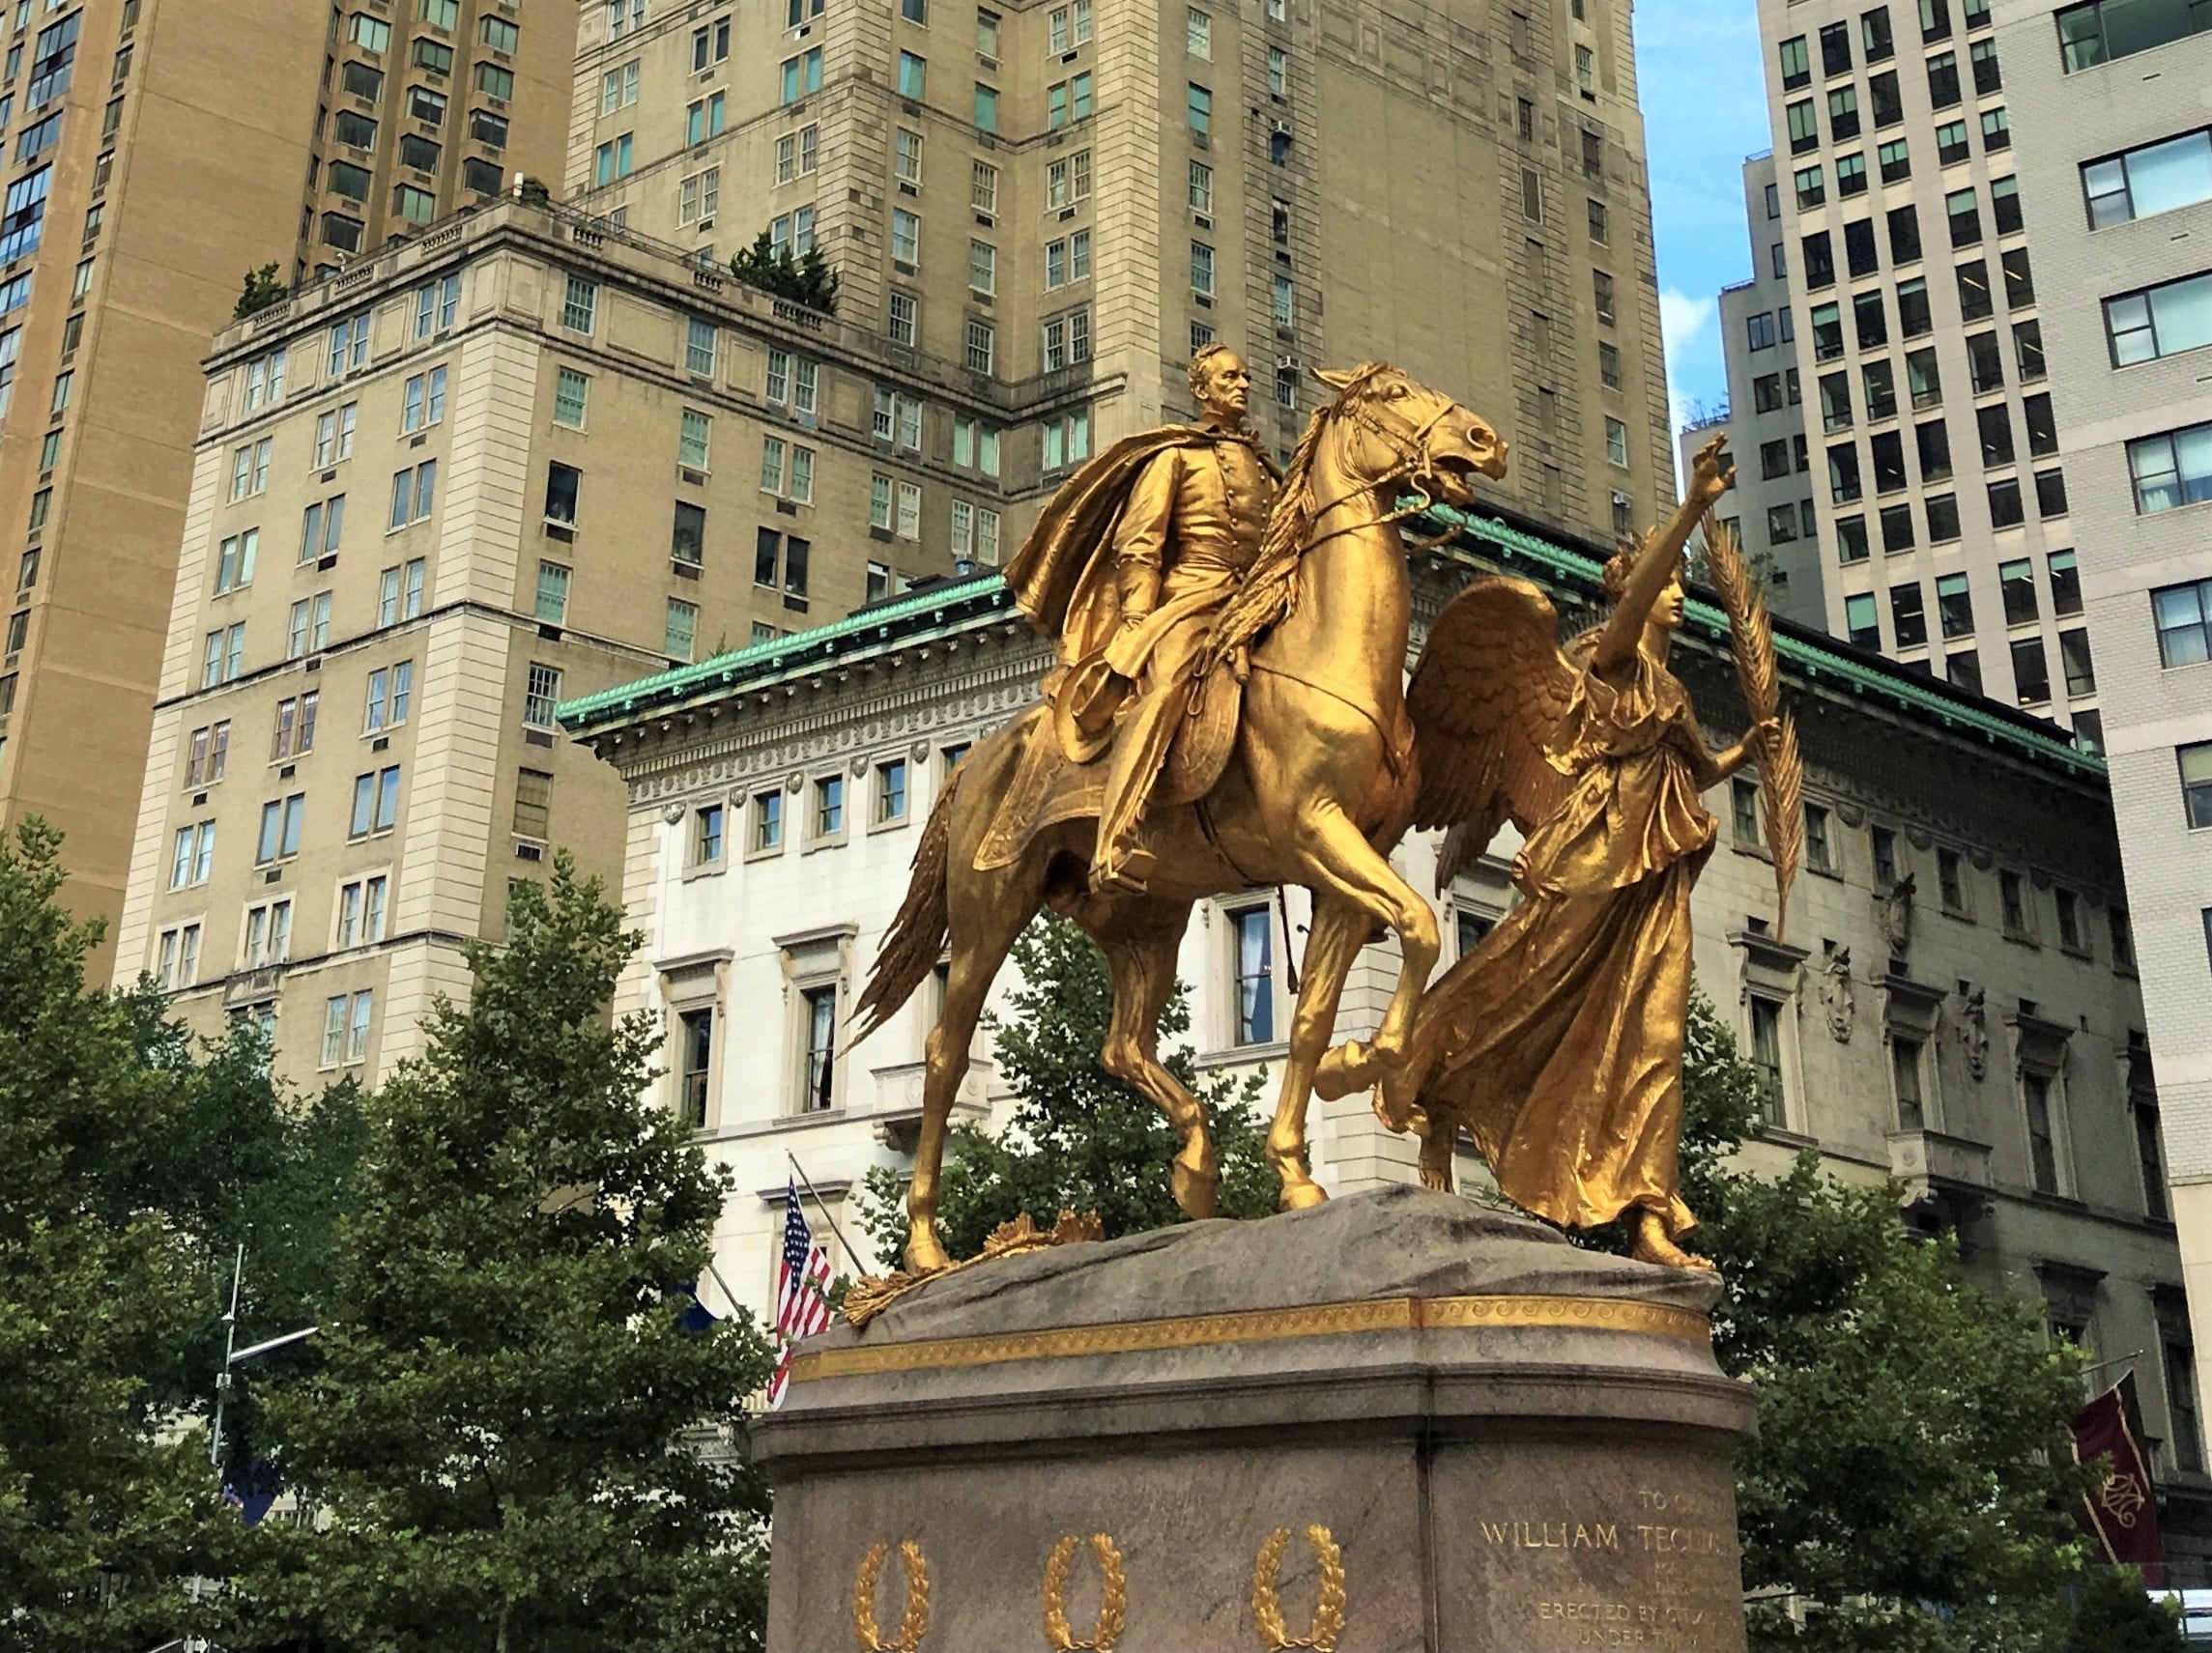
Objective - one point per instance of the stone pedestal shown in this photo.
(1509, 1443)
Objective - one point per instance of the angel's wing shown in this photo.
(1490, 687)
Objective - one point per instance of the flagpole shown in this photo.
(2115, 1361)
(824, 1210)
(735, 1301)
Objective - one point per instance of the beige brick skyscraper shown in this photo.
(1055, 204)
(159, 150)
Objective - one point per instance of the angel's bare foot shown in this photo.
(1653, 1245)
(1344, 1069)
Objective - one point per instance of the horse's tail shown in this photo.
(916, 939)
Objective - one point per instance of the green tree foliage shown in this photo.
(1079, 1139)
(515, 1443)
(2114, 1615)
(242, 1161)
(1913, 1484)
(262, 291)
(807, 279)
(102, 1513)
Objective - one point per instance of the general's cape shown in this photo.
(1063, 576)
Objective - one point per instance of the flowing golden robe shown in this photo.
(1560, 1041)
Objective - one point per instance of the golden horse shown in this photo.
(1322, 784)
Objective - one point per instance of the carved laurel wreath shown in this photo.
(1113, 1597)
(914, 1623)
(1328, 1612)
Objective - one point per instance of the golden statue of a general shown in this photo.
(1134, 608)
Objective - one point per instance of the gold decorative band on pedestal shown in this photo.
(1258, 1325)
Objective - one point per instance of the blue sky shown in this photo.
(1705, 109)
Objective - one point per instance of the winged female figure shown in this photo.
(1558, 1042)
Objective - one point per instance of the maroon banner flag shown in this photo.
(2122, 1508)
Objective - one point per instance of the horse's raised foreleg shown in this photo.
(988, 912)
(1340, 930)
(1140, 939)
(1340, 863)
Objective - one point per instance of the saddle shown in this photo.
(1066, 738)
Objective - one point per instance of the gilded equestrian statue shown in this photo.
(1312, 783)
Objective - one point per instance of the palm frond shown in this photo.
(1781, 767)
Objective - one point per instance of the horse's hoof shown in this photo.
(925, 1254)
(1301, 1195)
(1195, 1191)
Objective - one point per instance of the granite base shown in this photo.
(1509, 1443)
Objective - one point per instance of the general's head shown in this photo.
(1221, 383)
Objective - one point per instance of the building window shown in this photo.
(280, 824)
(2102, 30)
(414, 494)
(579, 305)
(767, 822)
(389, 691)
(679, 629)
(541, 694)
(1253, 928)
(346, 1027)
(891, 791)
(2184, 619)
(819, 1072)
(2158, 320)
(2195, 764)
(1905, 1068)
(2172, 470)
(2157, 178)
(829, 806)
(208, 755)
(2042, 1137)
(294, 733)
(376, 802)
(694, 1075)
(1766, 1055)
(267, 935)
(569, 393)
(2012, 905)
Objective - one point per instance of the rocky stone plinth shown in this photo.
(1434, 1421)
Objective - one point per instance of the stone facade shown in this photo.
(1955, 1002)
(2123, 329)
(194, 142)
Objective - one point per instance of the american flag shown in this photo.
(802, 1285)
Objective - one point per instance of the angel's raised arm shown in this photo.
(1655, 563)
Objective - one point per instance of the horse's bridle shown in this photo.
(1414, 460)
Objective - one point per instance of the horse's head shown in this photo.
(1401, 431)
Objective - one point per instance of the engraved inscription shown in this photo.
(1679, 1545)
(1553, 1534)
(1622, 1624)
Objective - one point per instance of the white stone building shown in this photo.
(1956, 1002)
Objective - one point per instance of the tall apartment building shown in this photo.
(1772, 503)
(1944, 535)
(1061, 201)
(2116, 180)
(515, 459)
(156, 152)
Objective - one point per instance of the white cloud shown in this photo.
(1683, 322)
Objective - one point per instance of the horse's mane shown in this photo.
(1270, 590)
